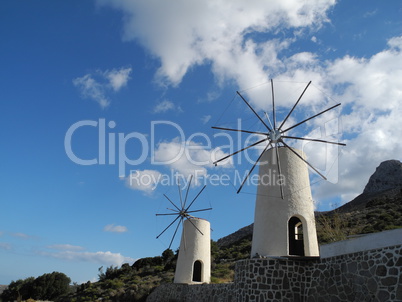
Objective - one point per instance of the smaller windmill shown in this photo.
(194, 260)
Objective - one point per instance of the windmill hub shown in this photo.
(275, 135)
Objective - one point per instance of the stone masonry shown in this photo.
(372, 275)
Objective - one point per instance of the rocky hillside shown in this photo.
(367, 213)
(246, 232)
(388, 175)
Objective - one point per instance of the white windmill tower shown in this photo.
(194, 260)
(284, 223)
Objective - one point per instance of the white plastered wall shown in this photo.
(272, 213)
(194, 246)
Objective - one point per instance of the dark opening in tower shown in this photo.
(197, 271)
(295, 231)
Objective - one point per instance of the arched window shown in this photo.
(197, 271)
(295, 230)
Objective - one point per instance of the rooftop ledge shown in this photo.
(362, 243)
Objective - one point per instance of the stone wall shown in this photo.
(372, 275)
(174, 292)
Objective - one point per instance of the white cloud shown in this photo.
(373, 83)
(118, 78)
(370, 13)
(98, 89)
(189, 157)
(115, 228)
(22, 236)
(91, 89)
(5, 246)
(206, 118)
(103, 258)
(68, 247)
(370, 90)
(143, 180)
(187, 33)
(164, 106)
(373, 90)
(186, 158)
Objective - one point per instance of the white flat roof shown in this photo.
(362, 243)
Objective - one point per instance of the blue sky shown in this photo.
(143, 74)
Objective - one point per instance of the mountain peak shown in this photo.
(388, 175)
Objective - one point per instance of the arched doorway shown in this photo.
(295, 230)
(197, 271)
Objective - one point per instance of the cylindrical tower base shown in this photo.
(194, 260)
(284, 226)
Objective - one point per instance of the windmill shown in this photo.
(275, 135)
(194, 260)
(284, 221)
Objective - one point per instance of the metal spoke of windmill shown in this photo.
(181, 211)
(275, 135)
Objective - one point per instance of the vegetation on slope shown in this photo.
(368, 213)
(224, 258)
(45, 287)
(128, 283)
(135, 283)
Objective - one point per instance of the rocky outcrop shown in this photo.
(388, 175)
